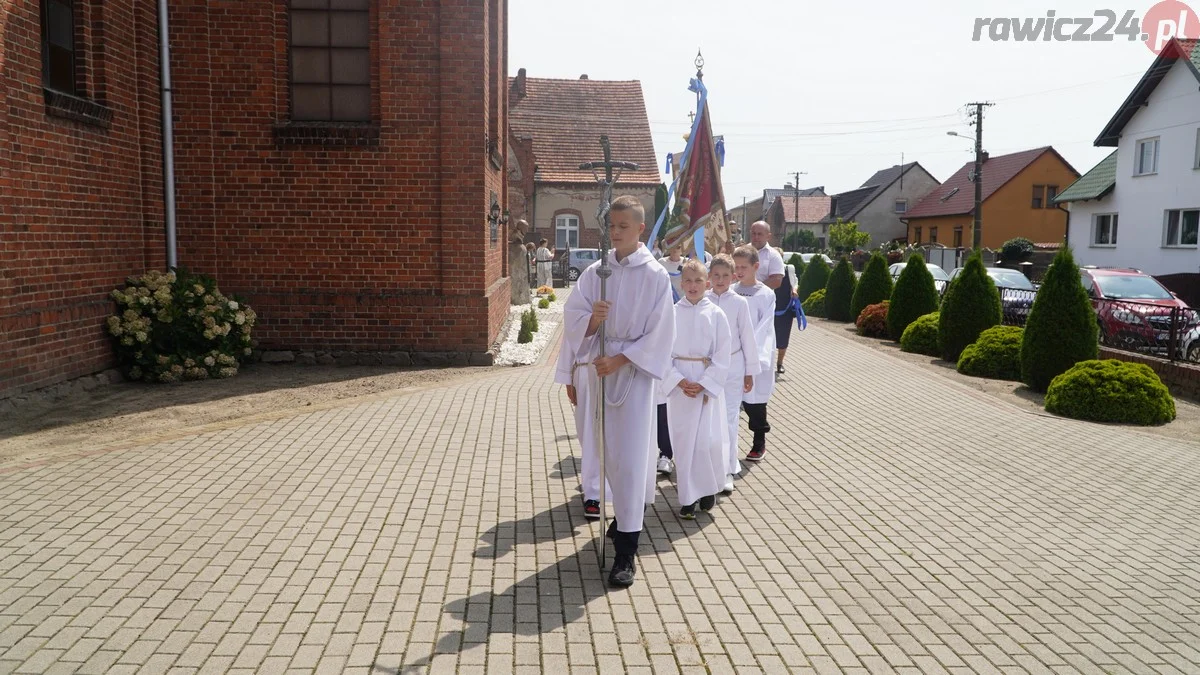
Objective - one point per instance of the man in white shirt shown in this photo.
(770, 269)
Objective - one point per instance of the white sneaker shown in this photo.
(728, 489)
(665, 466)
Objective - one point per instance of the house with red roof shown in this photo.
(789, 214)
(554, 126)
(1018, 201)
(1140, 206)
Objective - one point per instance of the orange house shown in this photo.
(1018, 201)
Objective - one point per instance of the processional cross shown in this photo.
(612, 173)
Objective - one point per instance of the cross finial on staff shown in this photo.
(691, 117)
(610, 177)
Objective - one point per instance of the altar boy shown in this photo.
(743, 356)
(639, 321)
(762, 312)
(695, 394)
(580, 395)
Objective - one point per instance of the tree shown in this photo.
(845, 237)
(839, 291)
(874, 287)
(1015, 250)
(913, 297)
(1062, 328)
(816, 275)
(800, 240)
(660, 202)
(971, 306)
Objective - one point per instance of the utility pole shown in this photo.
(796, 188)
(977, 236)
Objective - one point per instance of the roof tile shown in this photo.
(565, 119)
(1093, 184)
(812, 209)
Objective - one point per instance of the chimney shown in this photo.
(984, 155)
(518, 87)
(583, 76)
(833, 207)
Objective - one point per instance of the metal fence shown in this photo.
(1165, 331)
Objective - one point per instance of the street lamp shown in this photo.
(977, 178)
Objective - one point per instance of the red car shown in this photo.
(1135, 311)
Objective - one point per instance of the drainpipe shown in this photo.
(168, 134)
(1067, 233)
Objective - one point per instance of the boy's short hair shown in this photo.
(693, 265)
(629, 203)
(748, 252)
(722, 259)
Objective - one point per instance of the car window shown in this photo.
(1133, 287)
(1088, 284)
(937, 272)
(1010, 279)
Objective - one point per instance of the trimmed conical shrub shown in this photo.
(797, 264)
(839, 291)
(971, 306)
(816, 275)
(1062, 329)
(874, 287)
(913, 297)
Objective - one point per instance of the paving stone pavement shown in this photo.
(900, 523)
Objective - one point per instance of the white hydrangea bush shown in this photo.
(173, 326)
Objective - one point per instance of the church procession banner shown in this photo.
(697, 220)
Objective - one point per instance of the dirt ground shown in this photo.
(128, 414)
(1186, 426)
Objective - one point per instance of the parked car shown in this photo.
(807, 258)
(1017, 293)
(940, 278)
(579, 260)
(1136, 312)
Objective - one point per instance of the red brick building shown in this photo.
(554, 126)
(335, 163)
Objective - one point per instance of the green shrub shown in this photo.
(872, 322)
(1016, 249)
(816, 275)
(996, 354)
(921, 336)
(839, 290)
(874, 287)
(797, 264)
(1111, 391)
(525, 335)
(1061, 330)
(971, 306)
(815, 304)
(544, 303)
(553, 298)
(176, 326)
(914, 296)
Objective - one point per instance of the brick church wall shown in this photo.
(80, 188)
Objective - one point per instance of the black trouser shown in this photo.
(624, 543)
(664, 433)
(757, 412)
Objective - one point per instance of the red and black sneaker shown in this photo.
(591, 508)
(755, 455)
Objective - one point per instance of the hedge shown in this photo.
(815, 276)
(874, 287)
(839, 291)
(921, 335)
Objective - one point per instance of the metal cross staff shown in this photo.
(604, 272)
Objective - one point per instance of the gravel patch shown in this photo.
(513, 353)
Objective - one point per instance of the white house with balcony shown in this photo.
(1140, 206)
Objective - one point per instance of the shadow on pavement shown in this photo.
(557, 595)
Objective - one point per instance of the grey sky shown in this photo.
(839, 89)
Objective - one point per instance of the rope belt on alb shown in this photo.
(696, 359)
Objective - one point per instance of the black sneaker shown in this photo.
(707, 503)
(591, 509)
(622, 572)
(779, 370)
(688, 512)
